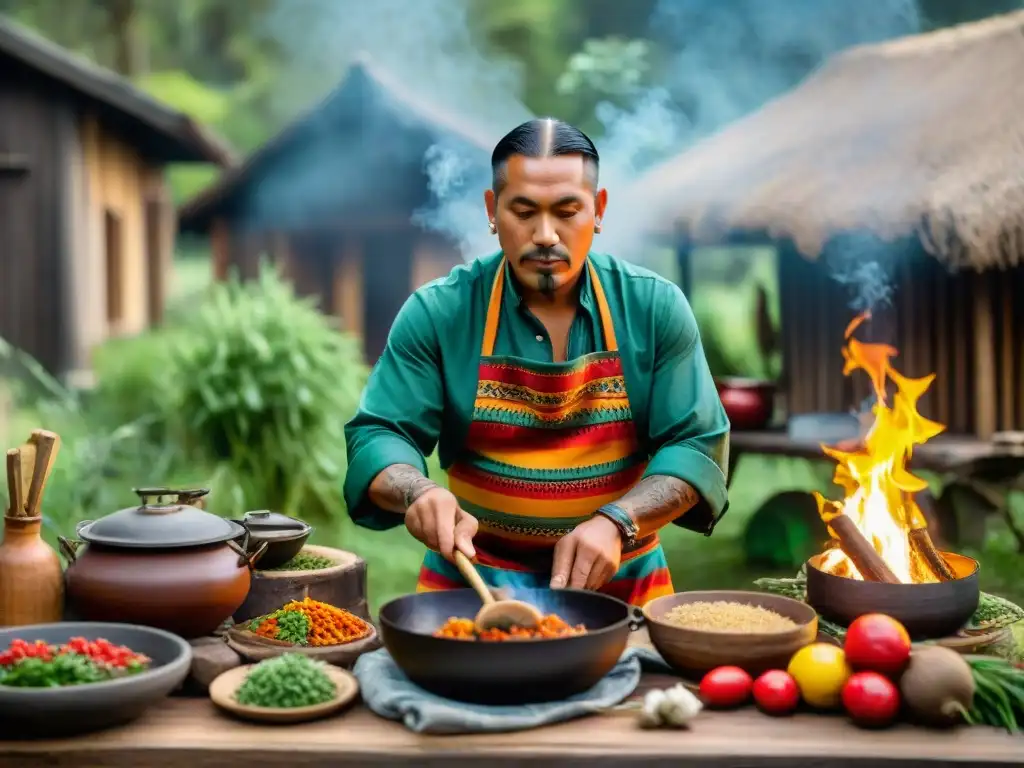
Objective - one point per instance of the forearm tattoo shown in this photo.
(658, 500)
(398, 486)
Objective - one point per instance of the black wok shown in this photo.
(512, 672)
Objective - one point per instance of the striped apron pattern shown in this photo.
(549, 443)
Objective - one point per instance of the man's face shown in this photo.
(545, 216)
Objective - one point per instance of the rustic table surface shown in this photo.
(192, 733)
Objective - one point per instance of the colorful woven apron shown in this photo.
(549, 443)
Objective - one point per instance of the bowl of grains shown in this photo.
(698, 631)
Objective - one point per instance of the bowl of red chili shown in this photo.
(75, 677)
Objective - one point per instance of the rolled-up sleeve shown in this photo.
(688, 427)
(399, 415)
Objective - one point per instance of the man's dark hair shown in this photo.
(543, 137)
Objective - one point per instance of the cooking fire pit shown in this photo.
(880, 557)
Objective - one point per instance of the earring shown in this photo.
(493, 227)
(597, 226)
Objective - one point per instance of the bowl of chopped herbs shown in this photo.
(285, 689)
(68, 678)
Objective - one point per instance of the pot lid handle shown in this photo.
(151, 500)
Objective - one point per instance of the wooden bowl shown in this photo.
(927, 611)
(252, 647)
(224, 687)
(693, 652)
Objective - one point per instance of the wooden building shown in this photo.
(332, 201)
(907, 154)
(86, 221)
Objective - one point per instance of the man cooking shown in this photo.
(566, 391)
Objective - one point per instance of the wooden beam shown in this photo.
(220, 249)
(985, 398)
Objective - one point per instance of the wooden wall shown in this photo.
(360, 274)
(33, 226)
(965, 327)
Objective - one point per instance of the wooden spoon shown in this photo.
(14, 483)
(46, 446)
(495, 614)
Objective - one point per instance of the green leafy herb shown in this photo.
(292, 627)
(65, 669)
(998, 694)
(304, 561)
(285, 682)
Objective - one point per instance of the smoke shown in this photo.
(724, 59)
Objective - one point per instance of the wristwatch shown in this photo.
(627, 528)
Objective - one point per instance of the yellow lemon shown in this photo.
(820, 671)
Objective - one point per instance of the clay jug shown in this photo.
(31, 578)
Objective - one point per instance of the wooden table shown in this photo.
(192, 733)
(945, 453)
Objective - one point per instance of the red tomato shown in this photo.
(877, 643)
(871, 699)
(725, 687)
(776, 692)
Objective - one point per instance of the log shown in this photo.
(921, 543)
(342, 585)
(870, 564)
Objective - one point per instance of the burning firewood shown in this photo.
(860, 551)
(922, 544)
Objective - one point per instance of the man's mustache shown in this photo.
(545, 254)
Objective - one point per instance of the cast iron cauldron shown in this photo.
(928, 611)
(512, 672)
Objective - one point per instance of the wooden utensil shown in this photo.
(47, 444)
(17, 503)
(495, 614)
(224, 688)
(27, 455)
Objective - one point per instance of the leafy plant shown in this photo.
(265, 383)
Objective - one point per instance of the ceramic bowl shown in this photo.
(66, 711)
(693, 652)
(224, 688)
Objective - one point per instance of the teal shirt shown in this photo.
(421, 392)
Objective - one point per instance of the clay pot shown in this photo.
(31, 582)
(749, 403)
(171, 566)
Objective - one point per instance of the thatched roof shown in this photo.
(922, 135)
(356, 116)
(156, 128)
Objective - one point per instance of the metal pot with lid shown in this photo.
(165, 563)
(285, 536)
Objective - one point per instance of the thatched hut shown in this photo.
(333, 200)
(909, 153)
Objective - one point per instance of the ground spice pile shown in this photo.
(287, 681)
(310, 622)
(550, 627)
(723, 616)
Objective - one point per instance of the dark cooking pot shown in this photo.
(162, 564)
(284, 536)
(749, 403)
(927, 611)
(513, 672)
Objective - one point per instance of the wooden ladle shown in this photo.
(496, 614)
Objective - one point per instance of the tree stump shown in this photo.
(342, 585)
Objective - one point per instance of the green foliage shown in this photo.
(265, 384)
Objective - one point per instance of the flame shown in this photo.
(878, 488)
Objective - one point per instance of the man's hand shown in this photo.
(436, 519)
(588, 557)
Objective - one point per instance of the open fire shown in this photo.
(878, 531)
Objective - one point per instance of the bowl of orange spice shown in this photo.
(306, 626)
